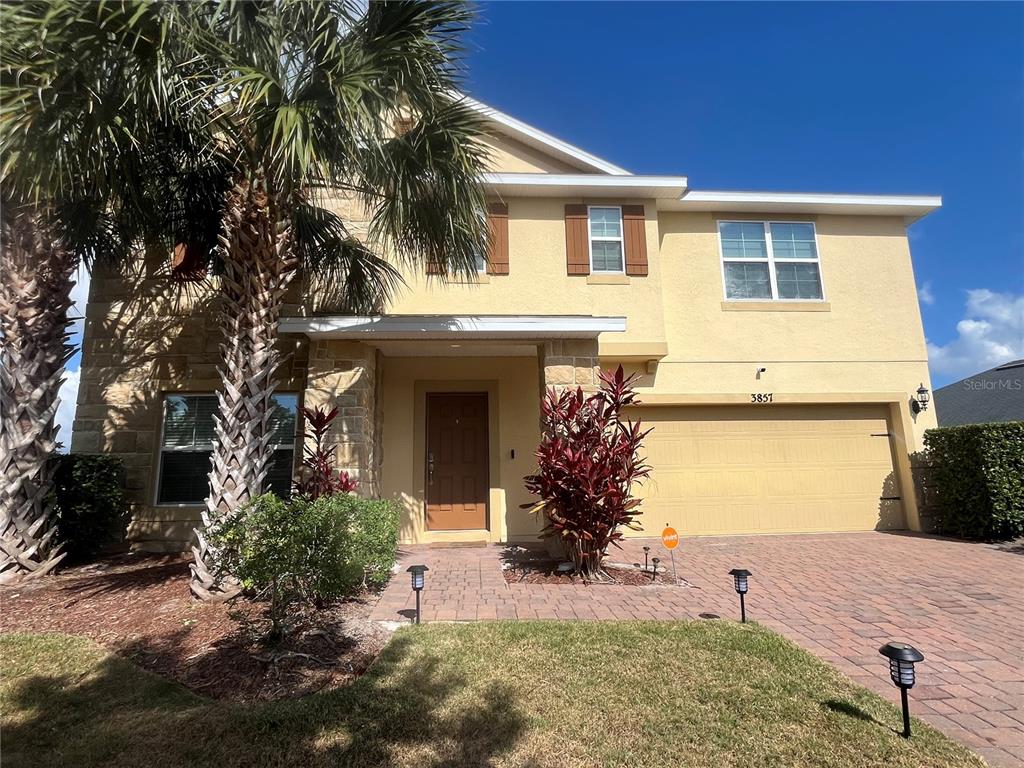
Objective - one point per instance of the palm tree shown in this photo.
(77, 112)
(304, 98)
(136, 120)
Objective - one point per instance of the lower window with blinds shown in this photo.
(187, 445)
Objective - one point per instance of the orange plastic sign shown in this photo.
(670, 538)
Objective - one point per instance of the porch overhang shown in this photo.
(453, 326)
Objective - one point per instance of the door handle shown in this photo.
(430, 468)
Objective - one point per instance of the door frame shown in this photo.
(493, 529)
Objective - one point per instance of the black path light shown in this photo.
(417, 572)
(740, 576)
(902, 658)
(654, 573)
(647, 552)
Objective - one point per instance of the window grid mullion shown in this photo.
(771, 259)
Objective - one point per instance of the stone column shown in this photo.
(345, 375)
(568, 363)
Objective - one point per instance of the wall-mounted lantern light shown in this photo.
(902, 658)
(920, 403)
(740, 576)
(417, 572)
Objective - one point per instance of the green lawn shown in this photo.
(524, 694)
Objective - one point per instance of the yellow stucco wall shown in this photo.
(510, 156)
(537, 283)
(513, 397)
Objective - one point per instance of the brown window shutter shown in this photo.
(187, 262)
(634, 238)
(497, 245)
(577, 240)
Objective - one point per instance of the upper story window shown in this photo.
(481, 262)
(605, 239)
(186, 446)
(773, 260)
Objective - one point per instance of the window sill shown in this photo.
(776, 306)
(481, 279)
(607, 279)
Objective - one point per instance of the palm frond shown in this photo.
(344, 274)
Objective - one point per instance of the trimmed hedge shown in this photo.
(89, 500)
(978, 473)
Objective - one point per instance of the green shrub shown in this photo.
(978, 472)
(89, 503)
(298, 549)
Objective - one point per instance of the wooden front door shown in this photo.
(458, 471)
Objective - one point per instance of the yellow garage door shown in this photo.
(769, 469)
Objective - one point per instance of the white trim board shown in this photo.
(578, 184)
(912, 207)
(538, 139)
(454, 326)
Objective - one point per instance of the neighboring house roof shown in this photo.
(993, 395)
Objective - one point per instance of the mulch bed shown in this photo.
(139, 607)
(542, 570)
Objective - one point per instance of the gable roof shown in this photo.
(993, 395)
(538, 139)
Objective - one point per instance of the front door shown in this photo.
(457, 461)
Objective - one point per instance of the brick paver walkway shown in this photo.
(840, 596)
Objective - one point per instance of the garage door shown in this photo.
(769, 469)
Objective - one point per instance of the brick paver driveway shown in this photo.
(840, 596)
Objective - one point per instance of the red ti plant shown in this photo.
(588, 461)
(317, 476)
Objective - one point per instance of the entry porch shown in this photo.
(442, 414)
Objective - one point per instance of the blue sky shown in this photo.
(885, 98)
(914, 98)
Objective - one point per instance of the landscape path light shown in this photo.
(654, 573)
(740, 576)
(647, 564)
(417, 572)
(902, 658)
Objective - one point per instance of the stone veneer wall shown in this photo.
(146, 336)
(568, 363)
(347, 375)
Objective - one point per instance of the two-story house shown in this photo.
(777, 337)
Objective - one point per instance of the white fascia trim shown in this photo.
(718, 196)
(910, 207)
(454, 326)
(661, 187)
(537, 136)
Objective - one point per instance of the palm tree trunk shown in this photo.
(35, 295)
(256, 246)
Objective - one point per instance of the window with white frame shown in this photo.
(481, 261)
(770, 260)
(606, 250)
(186, 446)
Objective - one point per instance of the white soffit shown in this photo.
(911, 207)
(581, 184)
(454, 326)
(538, 139)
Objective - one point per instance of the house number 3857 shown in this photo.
(761, 397)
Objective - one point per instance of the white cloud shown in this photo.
(66, 409)
(924, 293)
(991, 333)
